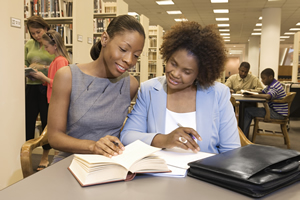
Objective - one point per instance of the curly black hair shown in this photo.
(205, 43)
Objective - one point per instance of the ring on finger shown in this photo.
(183, 140)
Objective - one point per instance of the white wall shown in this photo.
(12, 84)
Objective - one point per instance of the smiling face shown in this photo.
(37, 33)
(121, 52)
(50, 48)
(181, 70)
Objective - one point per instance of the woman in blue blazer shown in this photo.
(186, 108)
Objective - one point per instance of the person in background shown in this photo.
(186, 108)
(54, 44)
(243, 80)
(274, 90)
(37, 57)
(90, 101)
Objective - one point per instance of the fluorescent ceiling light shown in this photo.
(255, 33)
(223, 25)
(219, 1)
(225, 34)
(222, 19)
(165, 2)
(284, 37)
(260, 18)
(294, 29)
(221, 11)
(174, 12)
(257, 29)
(181, 20)
(259, 24)
(224, 30)
(281, 40)
(226, 37)
(132, 13)
(298, 24)
(289, 33)
(226, 40)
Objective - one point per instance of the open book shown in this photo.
(138, 157)
(247, 92)
(28, 70)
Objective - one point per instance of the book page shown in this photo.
(248, 92)
(133, 153)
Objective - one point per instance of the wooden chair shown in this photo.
(283, 122)
(26, 152)
(243, 138)
(236, 106)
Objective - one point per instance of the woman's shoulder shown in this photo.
(154, 82)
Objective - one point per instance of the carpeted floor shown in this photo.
(294, 135)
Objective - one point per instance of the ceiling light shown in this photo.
(221, 11)
(259, 24)
(222, 19)
(132, 13)
(298, 24)
(257, 29)
(224, 30)
(165, 2)
(219, 1)
(175, 12)
(281, 40)
(289, 33)
(181, 20)
(284, 37)
(226, 40)
(223, 25)
(225, 34)
(255, 33)
(294, 29)
(226, 37)
(260, 18)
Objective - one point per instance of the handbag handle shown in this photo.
(286, 168)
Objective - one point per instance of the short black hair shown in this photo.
(118, 25)
(267, 72)
(245, 64)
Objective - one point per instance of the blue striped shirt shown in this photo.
(276, 91)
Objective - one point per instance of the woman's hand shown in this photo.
(38, 67)
(108, 146)
(180, 137)
(38, 75)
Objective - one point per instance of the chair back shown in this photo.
(244, 140)
(236, 105)
(287, 99)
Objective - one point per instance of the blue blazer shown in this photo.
(215, 118)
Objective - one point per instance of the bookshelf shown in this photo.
(59, 14)
(155, 62)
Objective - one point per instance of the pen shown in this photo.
(192, 136)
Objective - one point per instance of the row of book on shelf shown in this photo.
(48, 8)
(104, 7)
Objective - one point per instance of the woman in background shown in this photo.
(37, 58)
(87, 113)
(187, 108)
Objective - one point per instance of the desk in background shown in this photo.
(56, 182)
(243, 100)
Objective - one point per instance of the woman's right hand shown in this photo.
(180, 137)
(108, 146)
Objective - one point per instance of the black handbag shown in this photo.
(253, 170)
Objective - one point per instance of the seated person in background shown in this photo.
(187, 102)
(90, 101)
(243, 80)
(274, 90)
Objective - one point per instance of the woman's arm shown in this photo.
(57, 121)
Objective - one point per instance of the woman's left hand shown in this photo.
(38, 75)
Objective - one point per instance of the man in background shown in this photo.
(243, 80)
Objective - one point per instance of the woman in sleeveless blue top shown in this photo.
(90, 101)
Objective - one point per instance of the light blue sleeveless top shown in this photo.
(98, 106)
